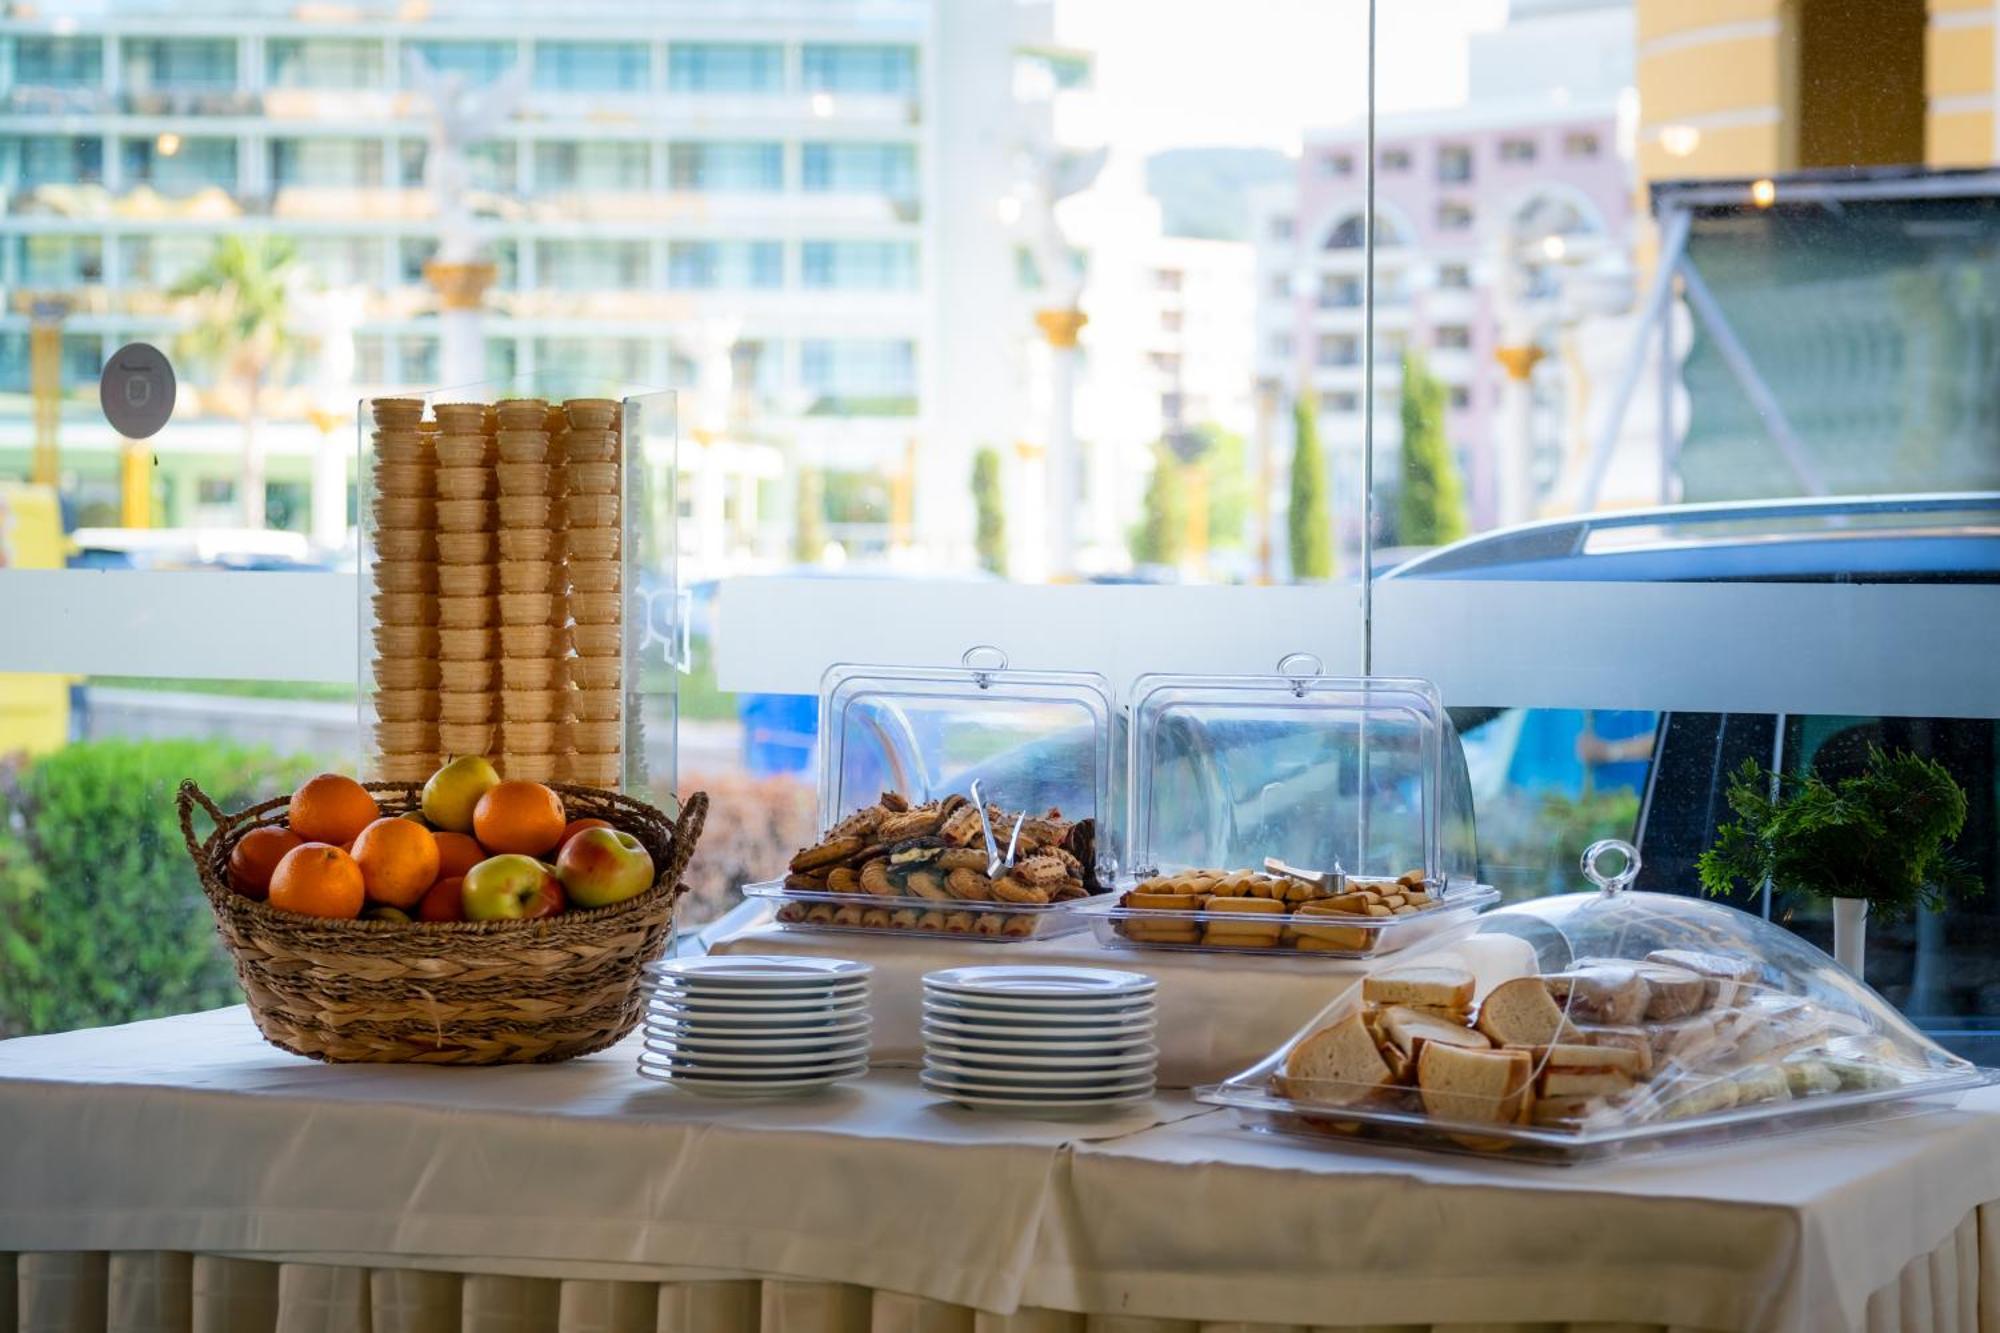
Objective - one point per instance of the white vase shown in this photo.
(1850, 933)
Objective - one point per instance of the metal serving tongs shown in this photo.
(995, 863)
(1329, 882)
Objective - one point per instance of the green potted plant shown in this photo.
(1879, 840)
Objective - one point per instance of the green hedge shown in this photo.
(101, 916)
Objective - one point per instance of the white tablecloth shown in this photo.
(180, 1170)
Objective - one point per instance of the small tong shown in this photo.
(1330, 882)
(995, 862)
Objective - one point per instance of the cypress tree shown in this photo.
(1307, 522)
(1430, 502)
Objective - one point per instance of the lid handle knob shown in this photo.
(1301, 667)
(982, 660)
(1616, 881)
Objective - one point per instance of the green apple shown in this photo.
(453, 791)
(384, 912)
(602, 866)
(510, 887)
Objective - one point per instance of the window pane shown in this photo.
(725, 264)
(859, 168)
(326, 163)
(860, 69)
(478, 62)
(589, 266)
(858, 265)
(593, 67)
(50, 160)
(593, 166)
(726, 67)
(861, 376)
(179, 64)
(325, 62)
(193, 165)
(58, 62)
(726, 167)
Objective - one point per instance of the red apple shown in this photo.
(602, 866)
(511, 887)
(577, 826)
(443, 901)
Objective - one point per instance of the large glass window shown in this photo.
(866, 376)
(326, 163)
(859, 168)
(593, 266)
(584, 165)
(59, 261)
(50, 160)
(859, 68)
(726, 67)
(723, 168)
(587, 360)
(179, 64)
(725, 264)
(174, 166)
(161, 260)
(593, 67)
(477, 62)
(58, 62)
(858, 265)
(325, 62)
(343, 261)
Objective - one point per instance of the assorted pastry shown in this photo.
(939, 866)
(1606, 1043)
(1270, 909)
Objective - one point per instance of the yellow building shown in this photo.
(1759, 87)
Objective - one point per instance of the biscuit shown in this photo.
(971, 885)
(893, 802)
(1010, 889)
(962, 828)
(962, 858)
(875, 918)
(874, 878)
(1334, 939)
(930, 921)
(908, 824)
(958, 923)
(843, 879)
(1040, 870)
(829, 853)
(796, 883)
(1230, 935)
(904, 918)
(847, 916)
(820, 914)
(1160, 932)
(1247, 906)
(1019, 926)
(1144, 901)
(857, 825)
(927, 884)
(986, 923)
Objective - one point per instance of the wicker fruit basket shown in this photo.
(463, 992)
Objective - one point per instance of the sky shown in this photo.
(1261, 72)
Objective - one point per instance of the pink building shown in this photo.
(1483, 214)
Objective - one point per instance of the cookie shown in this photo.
(971, 885)
(908, 824)
(843, 879)
(796, 883)
(962, 858)
(1010, 889)
(827, 854)
(874, 878)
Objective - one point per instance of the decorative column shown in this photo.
(1061, 327)
(1514, 486)
(45, 325)
(461, 289)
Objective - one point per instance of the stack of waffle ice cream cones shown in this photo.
(467, 603)
(405, 596)
(595, 721)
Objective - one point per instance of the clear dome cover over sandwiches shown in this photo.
(1592, 1023)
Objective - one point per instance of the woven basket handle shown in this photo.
(687, 832)
(190, 796)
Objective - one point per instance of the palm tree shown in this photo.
(240, 302)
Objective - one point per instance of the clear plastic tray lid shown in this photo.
(1599, 1019)
(1360, 775)
(1033, 740)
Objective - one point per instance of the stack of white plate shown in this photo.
(753, 1026)
(1039, 1039)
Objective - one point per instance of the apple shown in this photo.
(453, 791)
(511, 887)
(602, 866)
(443, 901)
(384, 912)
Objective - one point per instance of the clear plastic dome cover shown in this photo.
(1573, 1026)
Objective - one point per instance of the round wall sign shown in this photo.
(137, 390)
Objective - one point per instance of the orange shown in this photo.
(518, 816)
(577, 826)
(398, 860)
(444, 901)
(315, 879)
(457, 853)
(255, 856)
(333, 809)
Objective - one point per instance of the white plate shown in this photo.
(751, 1011)
(1060, 1080)
(792, 997)
(1103, 1087)
(740, 1042)
(754, 1024)
(1041, 1022)
(773, 1088)
(832, 1055)
(742, 1074)
(1017, 982)
(1007, 1004)
(1116, 1058)
(754, 971)
(994, 1048)
(1088, 1036)
(968, 1097)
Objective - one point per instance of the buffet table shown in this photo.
(180, 1174)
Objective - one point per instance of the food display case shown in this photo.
(1638, 1021)
(519, 589)
(1294, 813)
(959, 801)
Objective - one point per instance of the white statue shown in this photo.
(1048, 175)
(461, 115)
